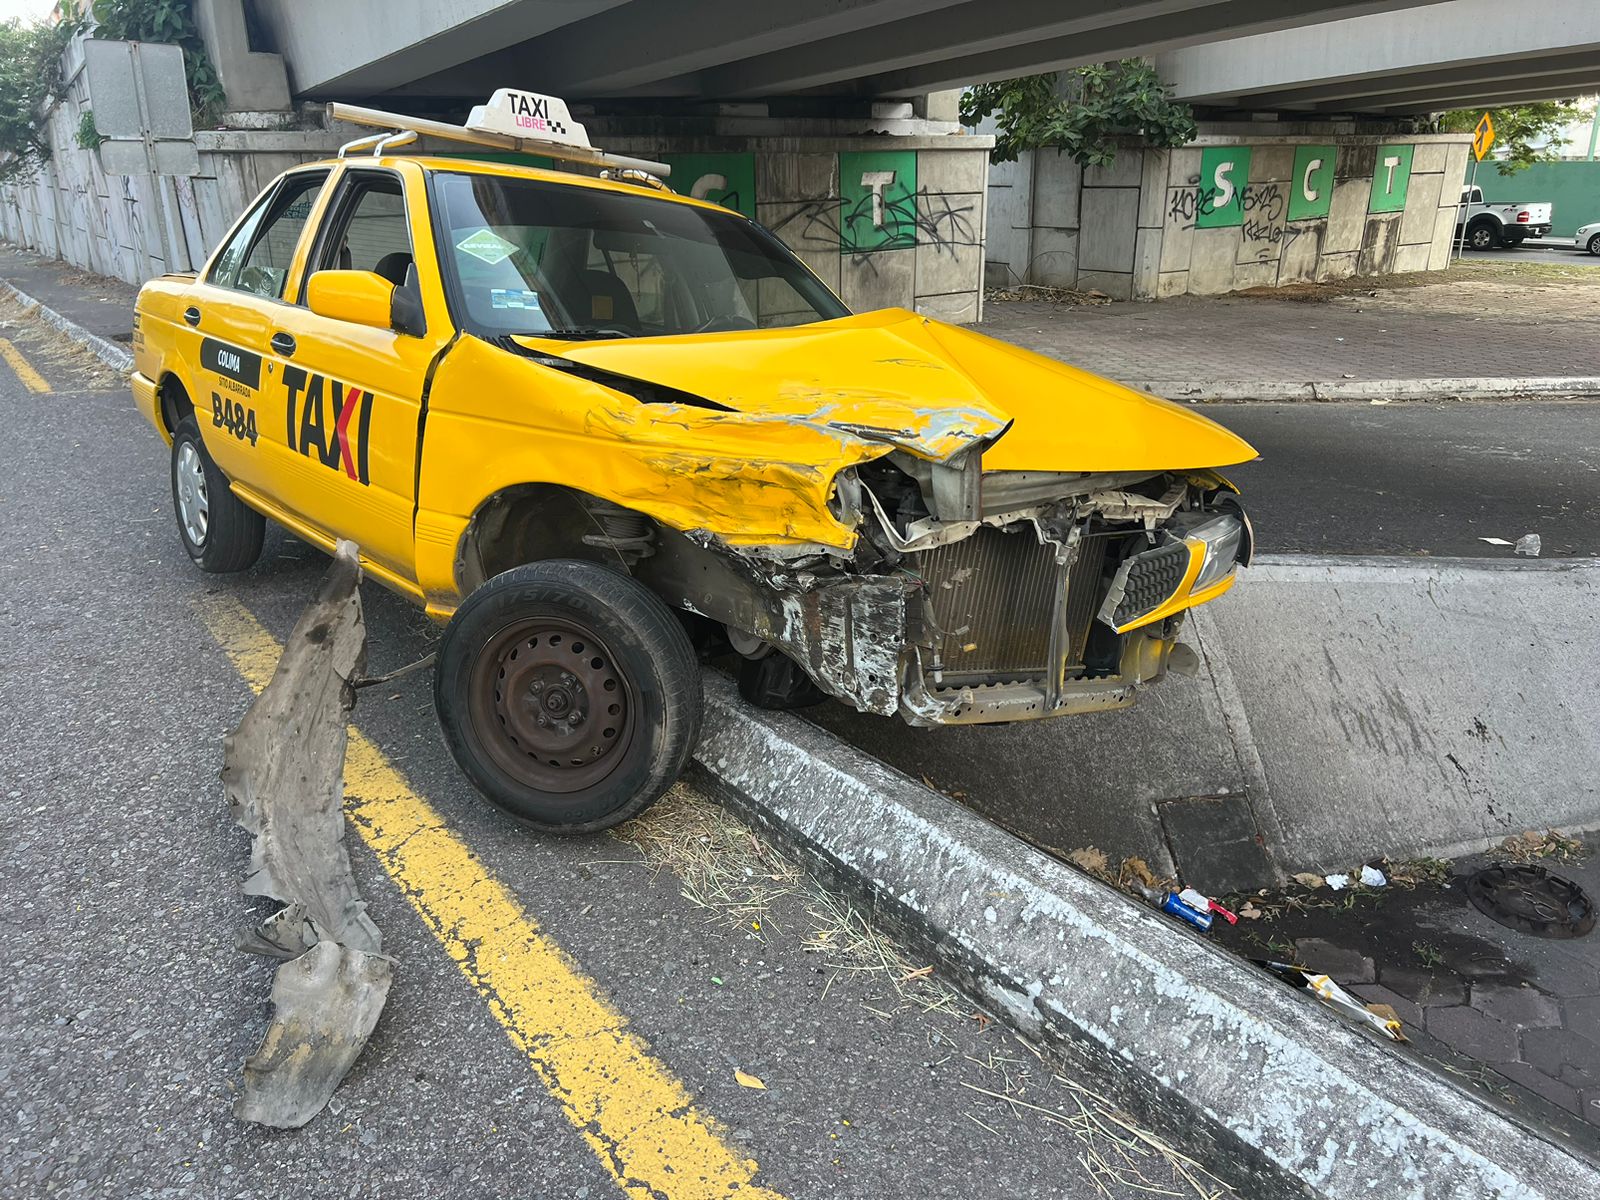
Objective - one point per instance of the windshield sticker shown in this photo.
(487, 246)
(514, 298)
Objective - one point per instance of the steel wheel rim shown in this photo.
(194, 507)
(554, 708)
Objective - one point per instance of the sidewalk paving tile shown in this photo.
(1340, 964)
(1523, 1006)
(1540, 1084)
(1425, 987)
(1568, 1056)
(1467, 1031)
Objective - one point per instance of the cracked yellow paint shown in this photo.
(31, 379)
(636, 1116)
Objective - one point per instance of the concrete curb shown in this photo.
(113, 355)
(1239, 1068)
(1463, 388)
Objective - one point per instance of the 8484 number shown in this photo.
(238, 420)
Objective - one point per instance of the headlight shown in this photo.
(1227, 544)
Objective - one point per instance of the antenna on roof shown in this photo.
(525, 122)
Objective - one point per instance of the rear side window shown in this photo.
(258, 257)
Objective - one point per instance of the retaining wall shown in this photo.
(1228, 211)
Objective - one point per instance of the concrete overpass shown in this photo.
(1459, 54)
(458, 50)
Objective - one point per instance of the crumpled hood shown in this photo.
(929, 387)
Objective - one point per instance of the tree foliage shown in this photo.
(1080, 112)
(170, 21)
(1526, 133)
(30, 78)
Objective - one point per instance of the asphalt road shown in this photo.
(1423, 477)
(128, 1009)
(1547, 253)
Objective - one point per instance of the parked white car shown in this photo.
(1490, 226)
(1588, 238)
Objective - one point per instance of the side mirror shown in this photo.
(361, 297)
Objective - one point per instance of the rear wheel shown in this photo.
(1482, 235)
(568, 694)
(221, 533)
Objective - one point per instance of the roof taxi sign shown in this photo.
(528, 115)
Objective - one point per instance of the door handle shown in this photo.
(192, 315)
(283, 344)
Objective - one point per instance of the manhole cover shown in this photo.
(1531, 900)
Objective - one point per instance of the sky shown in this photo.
(31, 9)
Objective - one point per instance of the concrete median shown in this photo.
(1346, 708)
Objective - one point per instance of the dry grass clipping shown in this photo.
(737, 877)
(1117, 1153)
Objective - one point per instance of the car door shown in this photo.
(353, 393)
(238, 305)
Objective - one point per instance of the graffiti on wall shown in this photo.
(880, 209)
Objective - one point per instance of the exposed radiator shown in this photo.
(994, 596)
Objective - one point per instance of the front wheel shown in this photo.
(220, 532)
(568, 694)
(1594, 245)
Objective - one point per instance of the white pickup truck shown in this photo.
(1490, 226)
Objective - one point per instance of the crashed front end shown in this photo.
(976, 596)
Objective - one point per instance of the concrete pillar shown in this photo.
(255, 82)
(938, 106)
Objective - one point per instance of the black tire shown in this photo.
(568, 694)
(224, 534)
(1482, 235)
(1594, 245)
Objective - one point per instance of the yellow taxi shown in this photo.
(600, 430)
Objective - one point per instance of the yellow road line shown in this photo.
(24, 369)
(636, 1116)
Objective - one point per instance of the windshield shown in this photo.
(529, 257)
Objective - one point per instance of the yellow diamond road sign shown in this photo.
(1483, 137)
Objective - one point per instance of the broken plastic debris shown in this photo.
(1336, 998)
(1230, 918)
(1372, 877)
(1495, 541)
(1338, 882)
(1528, 544)
(283, 772)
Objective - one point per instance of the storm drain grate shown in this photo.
(1531, 900)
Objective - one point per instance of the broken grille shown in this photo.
(1152, 578)
(994, 597)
